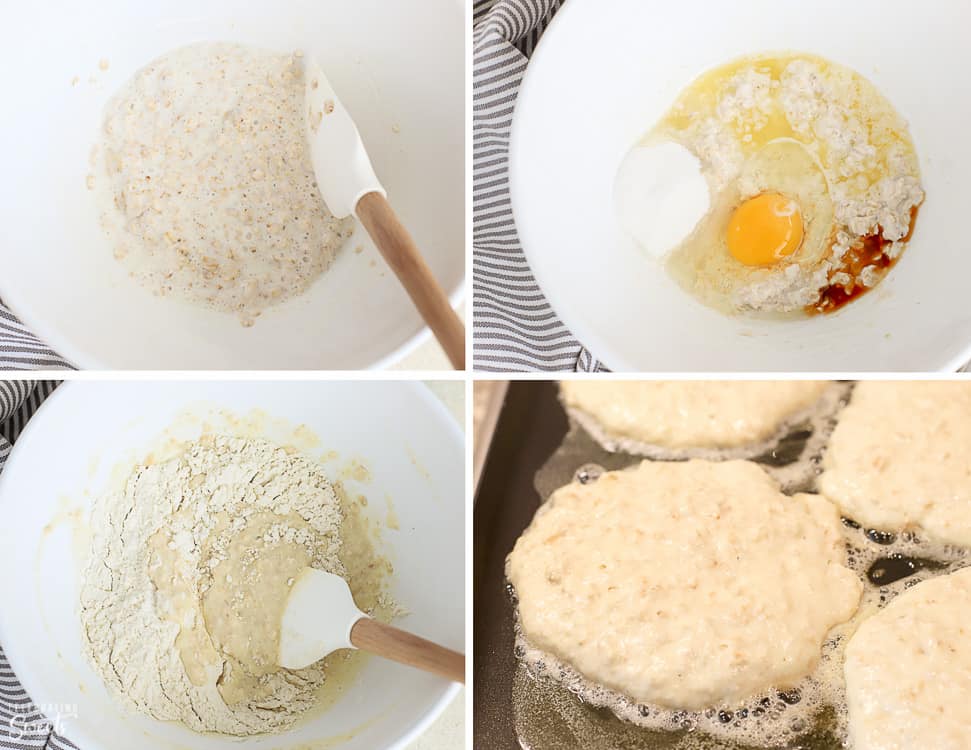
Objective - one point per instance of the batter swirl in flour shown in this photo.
(189, 552)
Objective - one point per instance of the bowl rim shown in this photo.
(81, 359)
(23, 675)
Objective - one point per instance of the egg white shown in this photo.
(703, 265)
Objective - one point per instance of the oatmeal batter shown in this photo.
(192, 548)
(684, 585)
(211, 195)
(685, 414)
(900, 457)
(908, 670)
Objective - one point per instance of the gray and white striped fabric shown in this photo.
(22, 350)
(514, 328)
(22, 724)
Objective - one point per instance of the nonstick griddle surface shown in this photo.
(530, 428)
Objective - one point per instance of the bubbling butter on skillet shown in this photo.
(550, 696)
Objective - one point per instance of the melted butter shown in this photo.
(704, 93)
(701, 98)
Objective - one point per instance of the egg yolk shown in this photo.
(765, 229)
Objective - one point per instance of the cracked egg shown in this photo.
(796, 187)
(767, 233)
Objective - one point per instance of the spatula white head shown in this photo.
(348, 185)
(318, 618)
(341, 163)
(321, 617)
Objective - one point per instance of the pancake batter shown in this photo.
(188, 549)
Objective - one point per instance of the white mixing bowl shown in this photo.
(66, 457)
(398, 66)
(605, 73)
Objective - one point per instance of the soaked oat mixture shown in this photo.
(208, 192)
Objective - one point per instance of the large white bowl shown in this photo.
(66, 456)
(398, 66)
(605, 72)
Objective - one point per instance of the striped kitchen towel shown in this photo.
(22, 350)
(24, 725)
(514, 327)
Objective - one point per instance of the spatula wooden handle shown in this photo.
(387, 641)
(402, 254)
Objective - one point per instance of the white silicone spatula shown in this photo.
(321, 617)
(349, 185)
